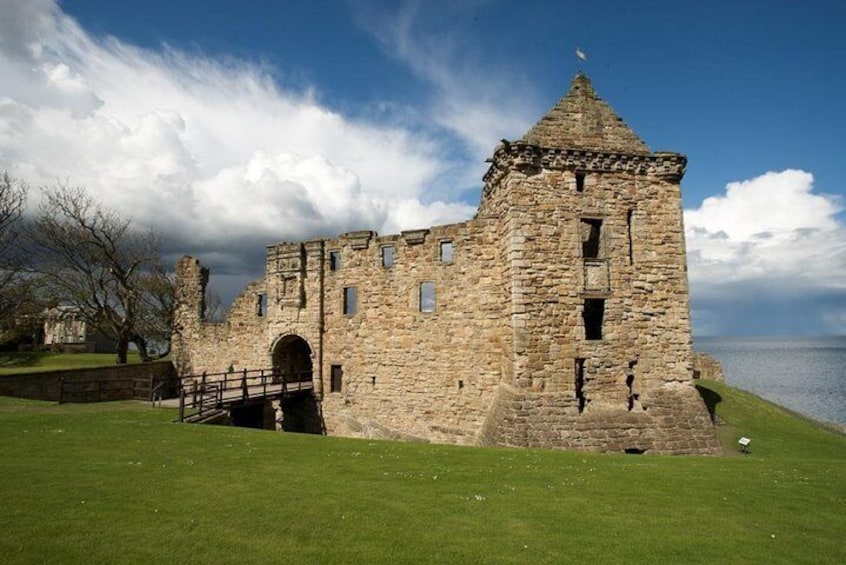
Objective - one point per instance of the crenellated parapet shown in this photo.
(530, 159)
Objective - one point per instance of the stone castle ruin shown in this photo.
(557, 317)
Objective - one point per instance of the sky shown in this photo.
(229, 126)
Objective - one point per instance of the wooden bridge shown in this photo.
(208, 396)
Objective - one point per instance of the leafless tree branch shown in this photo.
(92, 258)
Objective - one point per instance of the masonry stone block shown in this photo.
(557, 317)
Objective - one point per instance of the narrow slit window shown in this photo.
(631, 385)
(446, 252)
(580, 182)
(261, 305)
(629, 226)
(579, 381)
(388, 256)
(427, 297)
(336, 378)
(591, 233)
(334, 260)
(593, 314)
(350, 300)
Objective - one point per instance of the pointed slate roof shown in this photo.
(582, 120)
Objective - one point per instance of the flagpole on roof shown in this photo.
(581, 56)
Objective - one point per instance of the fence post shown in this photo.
(202, 387)
(181, 404)
(263, 385)
(245, 395)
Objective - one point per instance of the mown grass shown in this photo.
(119, 483)
(12, 363)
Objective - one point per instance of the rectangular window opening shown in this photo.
(336, 378)
(446, 252)
(592, 315)
(427, 297)
(580, 182)
(261, 305)
(388, 256)
(579, 379)
(591, 233)
(350, 300)
(334, 260)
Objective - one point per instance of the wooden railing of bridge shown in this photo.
(207, 392)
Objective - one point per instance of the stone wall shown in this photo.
(115, 382)
(428, 374)
(674, 424)
(560, 318)
(631, 388)
(706, 367)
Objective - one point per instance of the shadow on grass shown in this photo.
(711, 399)
(22, 359)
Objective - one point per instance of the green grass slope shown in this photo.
(12, 363)
(119, 483)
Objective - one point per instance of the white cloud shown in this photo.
(477, 103)
(769, 226)
(768, 240)
(213, 153)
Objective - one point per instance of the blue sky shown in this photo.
(233, 125)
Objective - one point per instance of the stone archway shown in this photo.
(292, 359)
(296, 412)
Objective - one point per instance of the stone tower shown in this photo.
(557, 317)
(599, 298)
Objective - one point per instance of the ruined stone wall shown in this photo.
(706, 367)
(409, 373)
(497, 361)
(639, 272)
(560, 320)
(406, 373)
(203, 346)
(630, 388)
(264, 312)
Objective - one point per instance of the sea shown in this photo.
(804, 374)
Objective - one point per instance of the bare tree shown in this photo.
(12, 203)
(93, 259)
(154, 326)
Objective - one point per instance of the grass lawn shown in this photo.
(12, 363)
(119, 483)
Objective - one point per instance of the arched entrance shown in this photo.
(292, 359)
(300, 411)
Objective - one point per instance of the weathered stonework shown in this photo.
(560, 315)
(706, 367)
